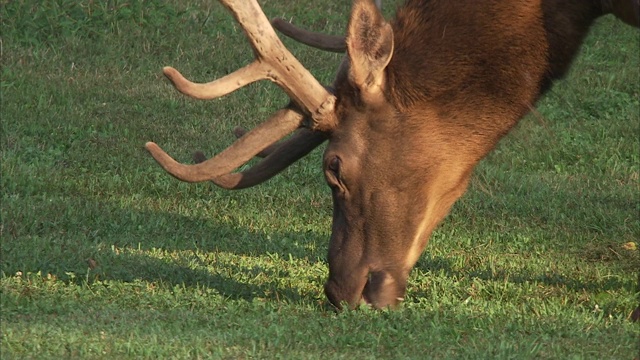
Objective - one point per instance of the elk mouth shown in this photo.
(379, 291)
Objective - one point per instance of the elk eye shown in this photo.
(332, 172)
(334, 165)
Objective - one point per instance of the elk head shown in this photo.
(412, 109)
(378, 228)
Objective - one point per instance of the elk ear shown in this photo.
(370, 46)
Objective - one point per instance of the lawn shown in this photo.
(104, 255)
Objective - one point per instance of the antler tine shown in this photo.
(240, 132)
(286, 153)
(333, 43)
(220, 87)
(283, 122)
(320, 41)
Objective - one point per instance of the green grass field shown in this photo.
(104, 255)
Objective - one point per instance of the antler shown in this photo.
(276, 159)
(273, 62)
(283, 122)
(317, 40)
(320, 41)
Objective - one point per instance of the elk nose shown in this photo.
(384, 289)
(345, 293)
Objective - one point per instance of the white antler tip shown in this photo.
(149, 145)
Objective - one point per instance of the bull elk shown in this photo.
(416, 103)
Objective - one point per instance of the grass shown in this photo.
(103, 255)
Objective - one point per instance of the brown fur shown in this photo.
(412, 127)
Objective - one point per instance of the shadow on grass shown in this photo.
(442, 265)
(161, 271)
(99, 240)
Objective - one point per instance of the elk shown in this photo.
(416, 103)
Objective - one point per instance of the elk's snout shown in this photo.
(378, 289)
(384, 290)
